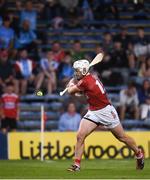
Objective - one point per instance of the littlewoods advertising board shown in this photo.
(59, 145)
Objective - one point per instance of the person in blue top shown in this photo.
(26, 37)
(29, 14)
(65, 69)
(69, 120)
(6, 34)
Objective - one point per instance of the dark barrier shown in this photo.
(3, 146)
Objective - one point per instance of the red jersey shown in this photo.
(59, 56)
(20, 68)
(94, 91)
(9, 105)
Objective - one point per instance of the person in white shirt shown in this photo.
(129, 101)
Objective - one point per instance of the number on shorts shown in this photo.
(100, 87)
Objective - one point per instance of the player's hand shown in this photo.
(70, 84)
(17, 118)
(3, 116)
(78, 94)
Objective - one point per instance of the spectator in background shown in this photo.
(107, 47)
(77, 53)
(69, 3)
(140, 10)
(104, 68)
(107, 8)
(29, 14)
(18, 5)
(123, 37)
(26, 72)
(72, 14)
(6, 70)
(57, 23)
(3, 8)
(125, 7)
(118, 64)
(110, 7)
(87, 11)
(58, 52)
(129, 102)
(70, 120)
(107, 42)
(54, 12)
(26, 37)
(65, 69)
(48, 74)
(1, 21)
(6, 34)
(51, 10)
(118, 56)
(9, 109)
(144, 99)
(73, 18)
(132, 63)
(144, 70)
(141, 43)
(127, 46)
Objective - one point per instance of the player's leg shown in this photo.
(54, 80)
(122, 112)
(23, 84)
(136, 112)
(85, 129)
(4, 125)
(39, 80)
(16, 86)
(120, 134)
(13, 124)
(49, 86)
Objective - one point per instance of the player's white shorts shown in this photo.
(107, 116)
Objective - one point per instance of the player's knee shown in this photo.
(80, 137)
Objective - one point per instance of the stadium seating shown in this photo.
(53, 104)
(30, 104)
(30, 116)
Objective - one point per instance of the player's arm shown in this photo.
(73, 89)
(71, 82)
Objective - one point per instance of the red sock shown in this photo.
(77, 162)
(138, 154)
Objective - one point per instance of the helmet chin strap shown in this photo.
(84, 74)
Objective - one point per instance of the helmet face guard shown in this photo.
(82, 66)
(78, 74)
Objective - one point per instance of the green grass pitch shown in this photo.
(91, 169)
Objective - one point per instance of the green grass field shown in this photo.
(91, 169)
